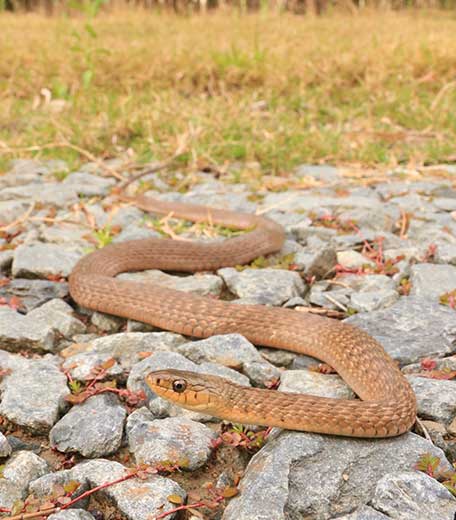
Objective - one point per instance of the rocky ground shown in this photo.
(375, 248)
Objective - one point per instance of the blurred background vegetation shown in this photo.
(255, 83)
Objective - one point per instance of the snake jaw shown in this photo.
(182, 388)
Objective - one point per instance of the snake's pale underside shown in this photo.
(387, 404)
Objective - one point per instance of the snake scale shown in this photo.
(387, 404)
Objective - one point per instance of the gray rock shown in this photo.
(89, 185)
(176, 440)
(298, 475)
(33, 393)
(202, 284)
(445, 203)
(33, 293)
(18, 332)
(41, 260)
(93, 428)
(126, 215)
(129, 347)
(413, 495)
(411, 329)
(81, 366)
(44, 486)
(431, 281)
(353, 260)
(264, 286)
(137, 499)
(368, 282)
(5, 448)
(297, 201)
(446, 254)
(23, 467)
(63, 233)
(308, 382)
(135, 232)
(72, 514)
(371, 301)
(338, 299)
(233, 351)
(436, 399)
(107, 322)
(317, 263)
(322, 173)
(59, 316)
(56, 194)
(11, 210)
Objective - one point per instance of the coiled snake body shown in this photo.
(387, 406)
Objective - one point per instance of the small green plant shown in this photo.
(103, 236)
(430, 464)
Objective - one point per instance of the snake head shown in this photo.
(197, 392)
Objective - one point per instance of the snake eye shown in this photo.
(179, 385)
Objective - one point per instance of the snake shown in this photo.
(385, 404)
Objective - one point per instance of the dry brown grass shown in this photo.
(277, 89)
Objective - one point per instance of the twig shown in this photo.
(47, 512)
(19, 220)
(185, 507)
(424, 430)
(335, 302)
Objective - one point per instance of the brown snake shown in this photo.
(387, 406)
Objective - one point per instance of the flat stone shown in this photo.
(126, 215)
(372, 301)
(411, 329)
(436, 399)
(11, 210)
(446, 254)
(412, 495)
(233, 351)
(18, 332)
(431, 280)
(135, 232)
(308, 382)
(176, 440)
(5, 448)
(93, 428)
(44, 486)
(42, 260)
(316, 263)
(23, 467)
(353, 260)
(128, 348)
(264, 286)
(56, 194)
(202, 284)
(33, 393)
(88, 184)
(107, 322)
(445, 203)
(368, 282)
(58, 315)
(297, 201)
(299, 475)
(135, 498)
(322, 173)
(33, 293)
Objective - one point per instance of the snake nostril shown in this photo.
(158, 381)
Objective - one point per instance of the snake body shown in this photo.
(387, 406)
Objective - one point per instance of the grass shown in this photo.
(277, 90)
